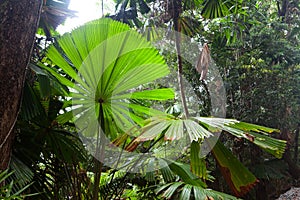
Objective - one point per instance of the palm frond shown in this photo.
(256, 134)
(104, 60)
(238, 177)
(198, 165)
(187, 191)
(219, 8)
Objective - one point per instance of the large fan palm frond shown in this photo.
(199, 128)
(103, 62)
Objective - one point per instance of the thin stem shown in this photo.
(179, 58)
(102, 5)
(99, 155)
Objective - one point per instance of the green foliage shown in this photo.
(203, 127)
(6, 191)
(258, 56)
(218, 8)
(254, 52)
(181, 190)
(240, 179)
(126, 65)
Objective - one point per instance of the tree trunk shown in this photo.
(176, 14)
(18, 24)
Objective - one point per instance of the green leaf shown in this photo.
(186, 192)
(195, 130)
(156, 94)
(253, 127)
(65, 117)
(184, 172)
(170, 191)
(198, 164)
(218, 8)
(102, 62)
(174, 128)
(44, 86)
(165, 171)
(31, 106)
(200, 193)
(151, 130)
(271, 145)
(245, 130)
(238, 177)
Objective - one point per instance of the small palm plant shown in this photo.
(102, 63)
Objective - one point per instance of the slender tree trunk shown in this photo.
(294, 169)
(176, 15)
(18, 25)
(296, 143)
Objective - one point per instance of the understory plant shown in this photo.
(103, 65)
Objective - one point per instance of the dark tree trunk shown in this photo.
(18, 25)
(296, 143)
(294, 169)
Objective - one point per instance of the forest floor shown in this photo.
(292, 194)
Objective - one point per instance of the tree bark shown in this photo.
(18, 24)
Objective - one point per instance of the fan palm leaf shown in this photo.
(105, 61)
(219, 8)
(199, 128)
(191, 187)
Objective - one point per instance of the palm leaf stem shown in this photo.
(98, 155)
(114, 172)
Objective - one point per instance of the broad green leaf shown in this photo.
(184, 172)
(175, 129)
(198, 164)
(44, 86)
(65, 117)
(215, 122)
(199, 193)
(273, 146)
(150, 131)
(158, 190)
(150, 170)
(238, 177)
